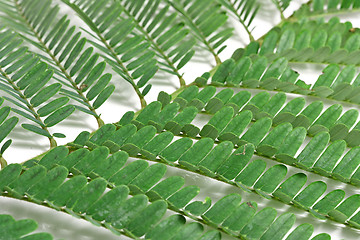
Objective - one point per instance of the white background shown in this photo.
(63, 226)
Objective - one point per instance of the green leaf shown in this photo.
(103, 96)
(7, 126)
(271, 143)
(329, 202)
(45, 94)
(127, 211)
(183, 196)
(306, 198)
(241, 216)
(66, 190)
(12, 229)
(5, 146)
(280, 226)
(147, 218)
(89, 163)
(313, 150)
(147, 179)
(232, 166)
(223, 72)
(222, 209)
(196, 153)
(257, 131)
(36, 130)
(251, 173)
(70, 160)
(81, 61)
(290, 187)
(167, 228)
(54, 178)
(166, 188)
(301, 232)
(26, 180)
(197, 208)
(190, 231)
(59, 135)
(88, 195)
(330, 157)
(173, 152)
(59, 115)
(9, 174)
(38, 84)
(270, 179)
(75, 52)
(347, 208)
(215, 158)
(261, 221)
(128, 173)
(54, 156)
(156, 145)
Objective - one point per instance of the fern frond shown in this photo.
(12, 229)
(62, 47)
(321, 8)
(206, 21)
(6, 126)
(25, 79)
(234, 167)
(244, 10)
(294, 114)
(281, 5)
(335, 83)
(129, 56)
(144, 179)
(313, 117)
(169, 40)
(311, 42)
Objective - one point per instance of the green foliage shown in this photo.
(327, 7)
(245, 11)
(60, 46)
(11, 229)
(204, 18)
(235, 123)
(43, 182)
(24, 78)
(219, 162)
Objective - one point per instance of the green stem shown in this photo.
(3, 162)
(53, 143)
(179, 90)
(276, 2)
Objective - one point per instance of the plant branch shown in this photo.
(230, 182)
(29, 106)
(251, 37)
(197, 31)
(276, 2)
(156, 47)
(118, 61)
(57, 62)
(67, 211)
